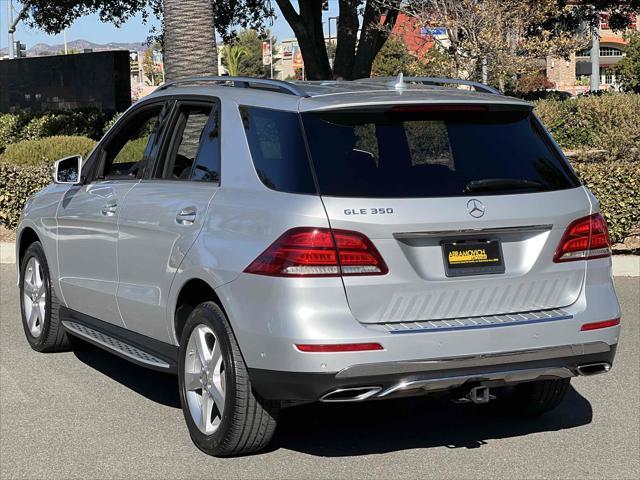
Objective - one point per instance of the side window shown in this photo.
(194, 150)
(128, 152)
(277, 149)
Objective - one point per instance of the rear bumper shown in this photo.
(415, 377)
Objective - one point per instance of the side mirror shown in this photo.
(67, 170)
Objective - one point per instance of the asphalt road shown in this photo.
(88, 414)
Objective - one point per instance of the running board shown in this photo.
(115, 345)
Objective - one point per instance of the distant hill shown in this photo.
(41, 49)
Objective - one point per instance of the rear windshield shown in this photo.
(406, 152)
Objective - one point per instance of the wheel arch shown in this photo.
(192, 292)
(27, 236)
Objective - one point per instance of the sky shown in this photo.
(92, 29)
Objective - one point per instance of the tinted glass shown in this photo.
(128, 152)
(278, 150)
(188, 135)
(426, 153)
(207, 168)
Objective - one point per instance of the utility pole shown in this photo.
(271, 55)
(12, 25)
(594, 83)
(65, 42)
(9, 24)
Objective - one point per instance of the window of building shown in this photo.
(611, 52)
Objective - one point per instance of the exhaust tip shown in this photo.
(354, 394)
(593, 368)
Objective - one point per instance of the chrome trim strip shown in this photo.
(479, 360)
(115, 345)
(513, 376)
(472, 231)
(475, 327)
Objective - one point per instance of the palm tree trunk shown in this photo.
(189, 38)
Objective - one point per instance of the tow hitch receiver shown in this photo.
(478, 395)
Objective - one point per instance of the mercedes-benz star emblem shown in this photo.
(475, 208)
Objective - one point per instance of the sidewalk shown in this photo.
(623, 265)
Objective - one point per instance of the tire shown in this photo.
(532, 399)
(42, 325)
(247, 422)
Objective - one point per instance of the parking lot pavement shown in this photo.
(88, 414)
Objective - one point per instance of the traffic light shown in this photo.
(325, 5)
(21, 50)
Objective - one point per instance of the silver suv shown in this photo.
(279, 243)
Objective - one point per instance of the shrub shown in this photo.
(45, 151)
(111, 122)
(610, 122)
(8, 130)
(32, 126)
(16, 185)
(87, 123)
(616, 184)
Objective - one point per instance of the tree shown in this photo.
(149, 67)
(628, 68)
(248, 42)
(231, 57)
(188, 25)
(392, 59)
(354, 55)
(189, 39)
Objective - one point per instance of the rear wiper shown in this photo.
(502, 184)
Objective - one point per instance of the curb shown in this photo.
(623, 265)
(7, 252)
(626, 265)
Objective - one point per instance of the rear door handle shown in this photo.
(109, 209)
(186, 216)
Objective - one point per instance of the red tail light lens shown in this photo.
(340, 347)
(597, 325)
(319, 252)
(584, 239)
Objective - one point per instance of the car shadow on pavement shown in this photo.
(156, 386)
(349, 429)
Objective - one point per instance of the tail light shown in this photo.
(584, 239)
(319, 252)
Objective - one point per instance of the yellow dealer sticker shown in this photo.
(472, 258)
(477, 255)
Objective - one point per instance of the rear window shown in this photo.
(408, 152)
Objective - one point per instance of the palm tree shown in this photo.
(233, 55)
(189, 38)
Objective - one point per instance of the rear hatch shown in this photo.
(465, 203)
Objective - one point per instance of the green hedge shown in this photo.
(609, 122)
(30, 126)
(45, 151)
(16, 185)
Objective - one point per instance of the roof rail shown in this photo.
(435, 81)
(240, 82)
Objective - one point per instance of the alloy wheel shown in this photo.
(34, 296)
(204, 379)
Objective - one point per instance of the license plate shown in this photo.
(472, 258)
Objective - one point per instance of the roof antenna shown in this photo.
(400, 85)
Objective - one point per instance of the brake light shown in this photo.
(597, 325)
(584, 239)
(340, 347)
(319, 252)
